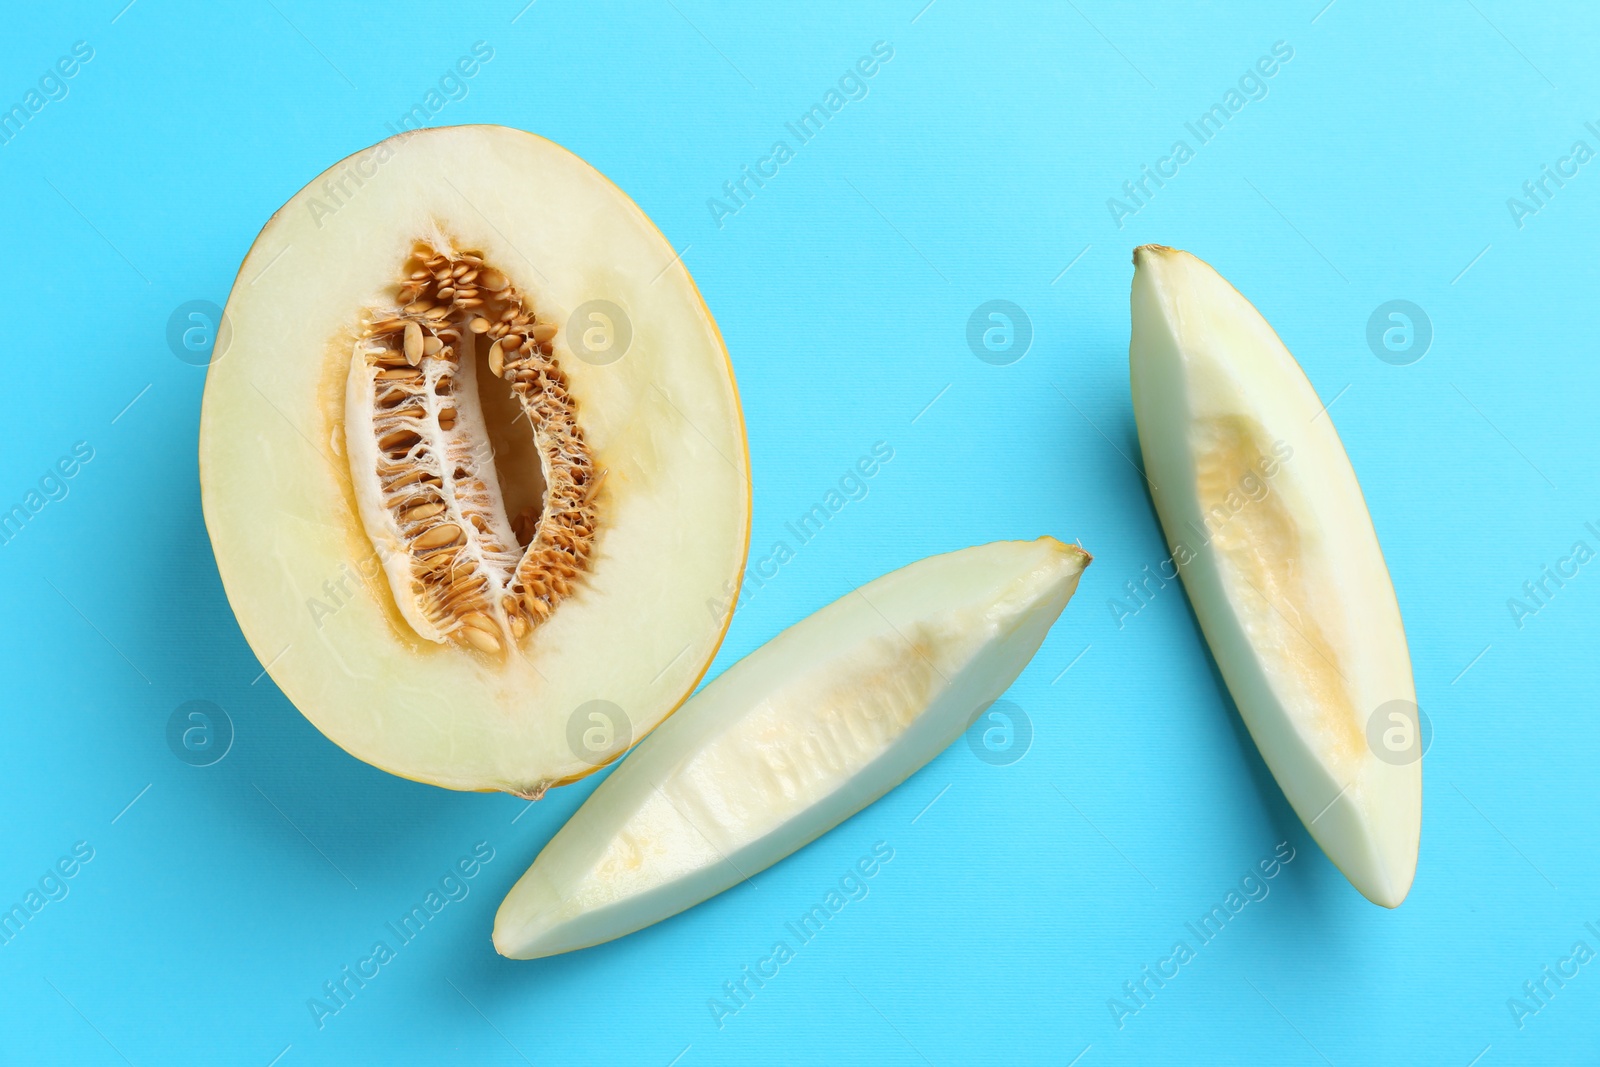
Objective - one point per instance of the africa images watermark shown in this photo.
(50, 887)
(1537, 992)
(1252, 488)
(1252, 85)
(1538, 192)
(737, 993)
(51, 86)
(52, 486)
(851, 486)
(852, 85)
(453, 887)
(1537, 593)
(342, 589)
(1137, 993)
(341, 186)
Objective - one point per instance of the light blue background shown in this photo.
(978, 168)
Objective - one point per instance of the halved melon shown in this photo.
(792, 740)
(1271, 534)
(473, 462)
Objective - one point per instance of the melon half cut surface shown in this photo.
(1271, 534)
(472, 461)
(792, 740)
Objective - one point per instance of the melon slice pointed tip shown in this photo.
(1278, 554)
(790, 741)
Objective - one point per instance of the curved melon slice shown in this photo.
(1277, 551)
(473, 460)
(791, 741)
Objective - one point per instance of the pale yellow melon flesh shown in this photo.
(1271, 534)
(662, 422)
(792, 740)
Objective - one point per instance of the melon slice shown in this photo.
(791, 741)
(1271, 534)
(472, 460)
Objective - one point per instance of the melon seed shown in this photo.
(421, 511)
(481, 640)
(445, 534)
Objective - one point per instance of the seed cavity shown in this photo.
(432, 500)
